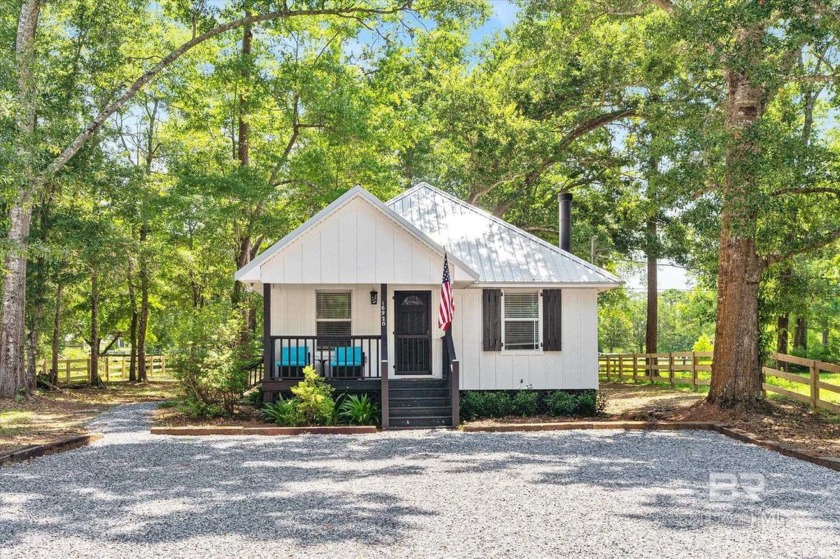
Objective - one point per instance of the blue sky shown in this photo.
(504, 13)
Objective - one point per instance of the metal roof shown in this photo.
(498, 251)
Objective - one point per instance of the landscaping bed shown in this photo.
(783, 421)
(243, 416)
(51, 416)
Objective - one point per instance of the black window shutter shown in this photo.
(552, 306)
(492, 319)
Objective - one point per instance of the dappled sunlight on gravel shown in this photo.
(411, 494)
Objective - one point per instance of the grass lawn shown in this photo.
(783, 420)
(49, 416)
(682, 381)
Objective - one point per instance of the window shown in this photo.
(332, 316)
(521, 320)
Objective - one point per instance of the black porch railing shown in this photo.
(345, 357)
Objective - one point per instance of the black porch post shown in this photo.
(384, 392)
(383, 320)
(267, 349)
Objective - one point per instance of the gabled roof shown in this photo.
(250, 273)
(498, 251)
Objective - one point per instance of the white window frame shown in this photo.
(539, 322)
(347, 292)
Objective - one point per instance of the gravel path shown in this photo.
(411, 494)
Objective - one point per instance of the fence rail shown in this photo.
(111, 367)
(798, 378)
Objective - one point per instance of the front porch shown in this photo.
(311, 326)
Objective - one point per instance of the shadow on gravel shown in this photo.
(326, 489)
(171, 489)
(671, 471)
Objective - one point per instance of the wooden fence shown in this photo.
(111, 367)
(805, 380)
(812, 378)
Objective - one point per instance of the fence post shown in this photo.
(607, 366)
(815, 387)
(621, 367)
(122, 367)
(107, 369)
(671, 368)
(635, 367)
(694, 370)
(163, 365)
(67, 368)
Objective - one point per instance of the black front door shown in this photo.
(413, 332)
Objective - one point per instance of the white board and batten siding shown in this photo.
(357, 245)
(574, 367)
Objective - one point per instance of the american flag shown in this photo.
(447, 305)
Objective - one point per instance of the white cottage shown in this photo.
(355, 290)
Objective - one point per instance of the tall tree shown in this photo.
(31, 174)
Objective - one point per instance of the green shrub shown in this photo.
(585, 404)
(358, 410)
(561, 403)
(479, 405)
(314, 398)
(211, 359)
(255, 397)
(470, 405)
(283, 412)
(197, 408)
(525, 403)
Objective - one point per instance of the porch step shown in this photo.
(419, 404)
(420, 422)
(418, 392)
(417, 411)
(412, 402)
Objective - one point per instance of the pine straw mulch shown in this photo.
(780, 420)
(52, 415)
(244, 415)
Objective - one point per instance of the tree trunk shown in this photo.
(651, 328)
(32, 339)
(13, 377)
(782, 333)
(782, 327)
(94, 328)
(143, 318)
(736, 369)
(243, 256)
(132, 334)
(56, 334)
(800, 334)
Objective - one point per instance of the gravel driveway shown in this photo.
(412, 494)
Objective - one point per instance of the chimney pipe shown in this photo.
(564, 200)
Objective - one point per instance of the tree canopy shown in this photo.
(149, 149)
